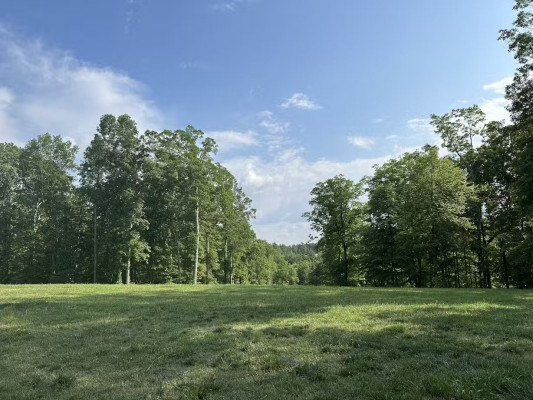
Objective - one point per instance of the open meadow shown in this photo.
(238, 342)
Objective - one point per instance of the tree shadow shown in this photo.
(267, 342)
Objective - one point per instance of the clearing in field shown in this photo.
(222, 342)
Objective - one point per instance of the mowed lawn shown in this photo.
(246, 342)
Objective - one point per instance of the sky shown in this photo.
(293, 91)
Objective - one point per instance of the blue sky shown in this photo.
(294, 91)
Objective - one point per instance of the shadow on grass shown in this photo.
(259, 304)
(250, 342)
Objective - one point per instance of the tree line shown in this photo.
(149, 208)
(156, 207)
(462, 220)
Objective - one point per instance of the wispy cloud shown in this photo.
(47, 90)
(131, 12)
(253, 91)
(378, 120)
(422, 133)
(6, 128)
(420, 125)
(300, 101)
(229, 140)
(362, 142)
(228, 6)
(271, 123)
(499, 86)
(185, 65)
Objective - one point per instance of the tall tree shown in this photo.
(111, 174)
(520, 95)
(459, 130)
(46, 193)
(434, 200)
(337, 217)
(416, 222)
(382, 251)
(9, 207)
(164, 169)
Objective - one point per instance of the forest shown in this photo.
(149, 208)
(157, 208)
(464, 219)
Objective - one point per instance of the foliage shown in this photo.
(337, 217)
(158, 208)
(148, 208)
(463, 220)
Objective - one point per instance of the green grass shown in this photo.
(244, 342)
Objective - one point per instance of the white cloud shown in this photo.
(378, 120)
(362, 142)
(6, 99)
(495, 109)
(271, 123)
(284, 232)
(228, 140)
(499, 86)
(420, 125)
(280, 187)
(59, 94)
(300, 101)
(422, 133)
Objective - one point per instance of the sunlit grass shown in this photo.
(222, 342)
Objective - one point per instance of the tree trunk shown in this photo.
(443, 272)
(207, 258)
(432, 258)
(171, 265)
(6, 251)
(178, 255)
(468, 269)
(128, 265)
(94, 244)
(36, 216)
(128, 262)
(179, 264)
(226, 260)
(506, 269)
(231, 268)
(54, 259)
(477, 277)
(197, 212)
(345, 260)
(484, 270)
(457, 270)
(488, 279)
(419, 271)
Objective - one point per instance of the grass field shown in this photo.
(244, 342)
